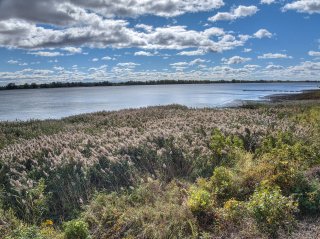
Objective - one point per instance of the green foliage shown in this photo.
(26, 233)
(32, 204)
(223, 147)
(76, 229)
(234, 212)
(124, 175)
(272, 211)
(150, 211)
(308, 197)
(199, 200)
(224, 184)
(8, 221)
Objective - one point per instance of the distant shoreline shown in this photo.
(304, 95)
(13, 86)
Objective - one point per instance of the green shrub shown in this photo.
(272, 211)
(33, 203)
(25, 232)
(152, 210)
(234, 211)
(223, 147)
(224, 184)
(76, 229)
(199, 199)
(8, 221)
(309, 198)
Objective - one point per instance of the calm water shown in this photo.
(58, 103)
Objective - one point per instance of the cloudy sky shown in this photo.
(120, 40)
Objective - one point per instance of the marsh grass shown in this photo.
(162, 172)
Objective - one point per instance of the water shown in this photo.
(58, 103)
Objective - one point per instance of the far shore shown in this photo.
(13, 86)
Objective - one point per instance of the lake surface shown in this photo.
(58, 103)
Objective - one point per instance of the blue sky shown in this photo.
(73, 40)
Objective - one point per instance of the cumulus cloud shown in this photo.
(263, 33)
(13, 62)
(239, 12)
(267, 1)
(247, 50)
(304, 6)
(274, 56)
(98, 32)
(108, 58)
(143, 53)
(72, 50)
(272, 67)
(55, 11)
(308, 70)
(179, 66)
(314, 53)
(46, 53)
(198, 52)
(145, 27)
(89, 29)
(128, 64)
(197, 61)
(235, 60)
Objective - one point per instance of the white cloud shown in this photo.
(72, 50)
(263, 33)
(239, 12)
(95, 59)
(58, 68)
(108, 58)
(314, 53)
(56, 11)
(235, 60)
(247, 50)
(198, 52)
(274, 56)
(128, 64)
(197, 61)
(13, 62)
(305, 6)
(274, 67)
(267, 1)
(252, 67)
(97, 32)
(308, 70)
(179, 66)
(46, 53)
(143, 53)
(145, 27)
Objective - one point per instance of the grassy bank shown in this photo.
(163, 172)
(304, 96)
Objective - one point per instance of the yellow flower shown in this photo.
(47, 223)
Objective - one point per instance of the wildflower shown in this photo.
(47, 223)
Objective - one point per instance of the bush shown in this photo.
(309, 198)
(234, 211)
(152, 210)
(224, 184)
(223, 147)
(76, 229)
(199, 200)
(25, 232)
(272, 211)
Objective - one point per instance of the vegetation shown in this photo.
(13, 86)
(163, 172)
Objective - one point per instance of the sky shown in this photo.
(122, 40)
